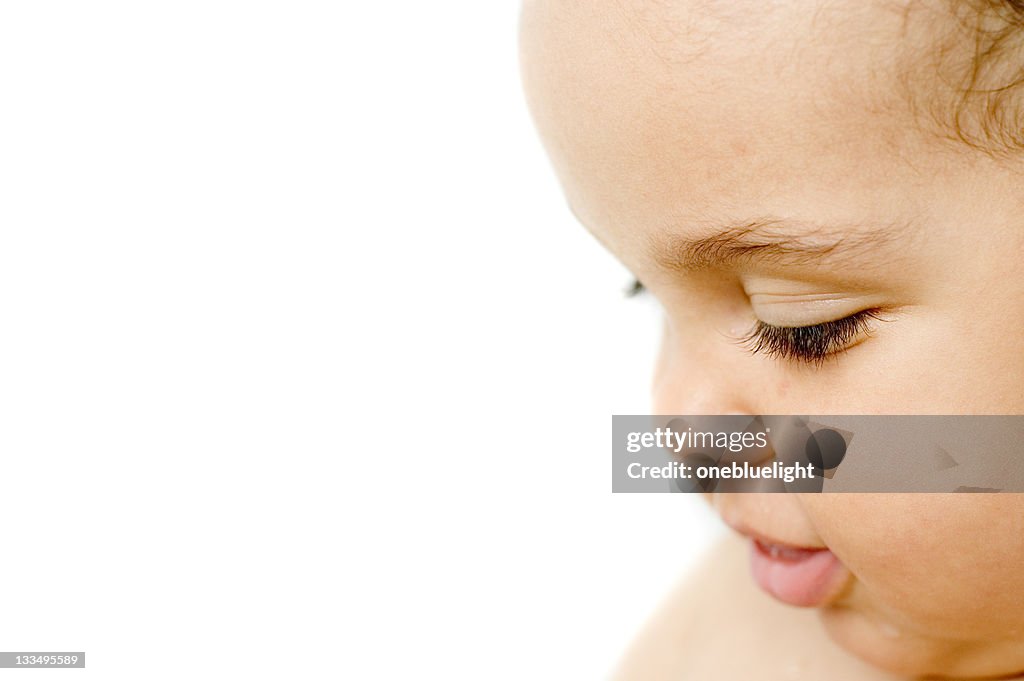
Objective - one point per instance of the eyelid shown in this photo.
(802, 308)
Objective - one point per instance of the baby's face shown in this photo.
(761, 166)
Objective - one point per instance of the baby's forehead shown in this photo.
(701, 104)
(677, 59)
(807, 62)
(690, 27)
(677, 32)
(652, 139)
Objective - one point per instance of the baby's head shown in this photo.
(825, 198)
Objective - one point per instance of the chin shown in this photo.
(909, 656)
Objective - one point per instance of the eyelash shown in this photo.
(808, 344)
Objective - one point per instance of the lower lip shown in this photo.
(803, 577)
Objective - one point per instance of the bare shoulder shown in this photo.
(718, 625)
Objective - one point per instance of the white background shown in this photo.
(305, 369)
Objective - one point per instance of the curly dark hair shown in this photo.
(988, 114)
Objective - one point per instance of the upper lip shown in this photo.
(747, 531)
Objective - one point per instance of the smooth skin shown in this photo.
(816, 127)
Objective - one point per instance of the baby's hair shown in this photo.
(987, 108)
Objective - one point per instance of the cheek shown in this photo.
(782, 389)
(938, 565)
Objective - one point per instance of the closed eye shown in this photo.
(810, 344)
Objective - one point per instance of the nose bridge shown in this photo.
(699, 377)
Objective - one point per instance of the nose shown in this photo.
(700, 378)
(707, 378)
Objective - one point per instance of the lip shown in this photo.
(803, 576)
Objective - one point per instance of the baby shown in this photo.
(827, 200)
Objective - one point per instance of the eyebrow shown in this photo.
(777, 241)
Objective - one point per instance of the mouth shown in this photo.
(800, 576)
